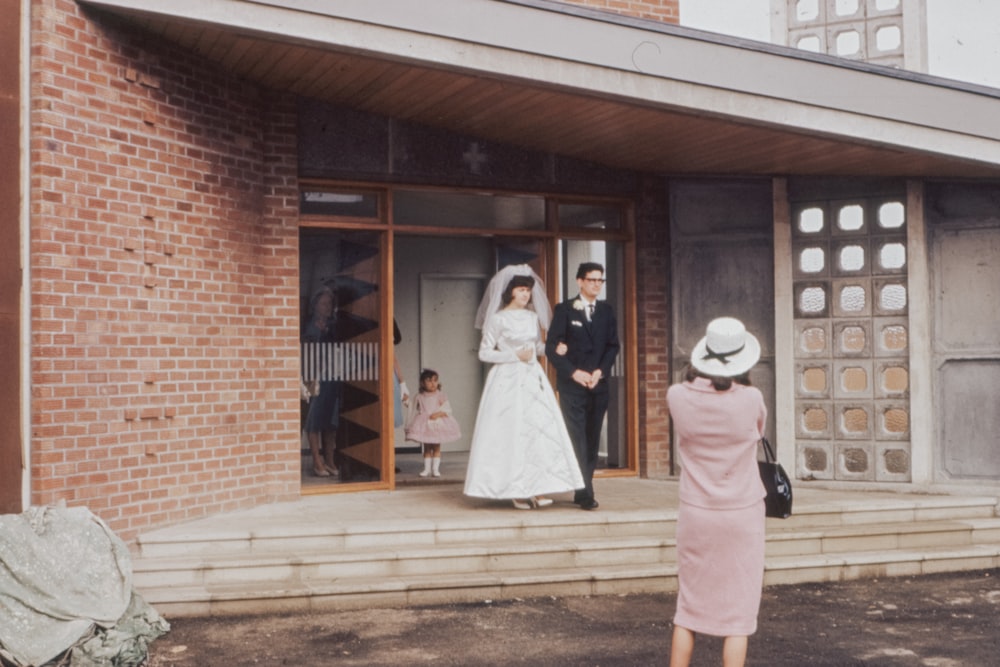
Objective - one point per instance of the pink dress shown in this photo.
(421, 428)
(720, 523)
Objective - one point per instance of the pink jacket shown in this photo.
(716, 434)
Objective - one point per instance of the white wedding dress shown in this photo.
(520, 446)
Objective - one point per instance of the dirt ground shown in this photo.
(950, 620)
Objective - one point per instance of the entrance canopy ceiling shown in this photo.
(622, 92)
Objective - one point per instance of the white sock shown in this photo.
(437, 466)
(427, 467)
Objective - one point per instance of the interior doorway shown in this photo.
(449, 344)
(438, 283)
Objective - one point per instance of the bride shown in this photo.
(520, 446)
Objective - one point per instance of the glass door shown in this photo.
(341, 333)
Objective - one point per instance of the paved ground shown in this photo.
(948, 620)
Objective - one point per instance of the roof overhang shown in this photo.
(623, 92)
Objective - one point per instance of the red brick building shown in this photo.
(178, 165)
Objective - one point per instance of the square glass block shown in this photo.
(891, 336)
(850, 257)
(855, 461)
(852, 380)
(848, 40)
(849, 218)
(814, 460)
(852, 338)
(810, 221)
(851, 297)
(893, 462)
(808, 10)
(885, 38)
(812, 380)
(814, 420)
(853, 420)
(812, 299)
(811, 260)
(883, 6)
(812, 339)
(807, 41)
(889, 255)
(892, 420)
(892, 379)
(889, 215)
(890, 296)
(847, 9)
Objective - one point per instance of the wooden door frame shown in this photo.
(12, 459)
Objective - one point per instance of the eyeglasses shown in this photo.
(599, 281)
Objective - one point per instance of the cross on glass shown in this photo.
(474, 158)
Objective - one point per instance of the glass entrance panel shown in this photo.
(614, 451)
(339, 293)
(434, 208)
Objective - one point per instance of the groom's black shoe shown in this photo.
(590, 504)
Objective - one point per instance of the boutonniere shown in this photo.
(578, 304)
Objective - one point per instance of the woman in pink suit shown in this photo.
(718, 420)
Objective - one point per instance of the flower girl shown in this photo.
(430, 421)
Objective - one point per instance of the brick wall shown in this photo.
(667, 11)
(653, 320)
(163, 279)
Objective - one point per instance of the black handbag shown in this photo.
(778, 502)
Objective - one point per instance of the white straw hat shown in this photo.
(727, 350)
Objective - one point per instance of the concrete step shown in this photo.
(858, 510)
(242, 598)
(269, 562)
(523, 554)
(880, 563)
(290, 537)
(469, 574)
(318, 537)
(790, 541)
(416, 590)
(471, 558)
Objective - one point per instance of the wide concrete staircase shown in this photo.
(282, 560)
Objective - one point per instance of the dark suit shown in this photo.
(592, 345)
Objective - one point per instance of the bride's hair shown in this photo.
(498, 294)
(515, 282)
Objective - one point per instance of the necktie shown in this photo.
(590, 312)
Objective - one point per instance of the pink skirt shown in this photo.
(720, 569)
(423, 429)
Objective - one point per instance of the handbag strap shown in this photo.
(768, 452)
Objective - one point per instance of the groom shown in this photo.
(582, 344)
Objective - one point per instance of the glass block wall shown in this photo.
(851, 340)
(869, 30)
